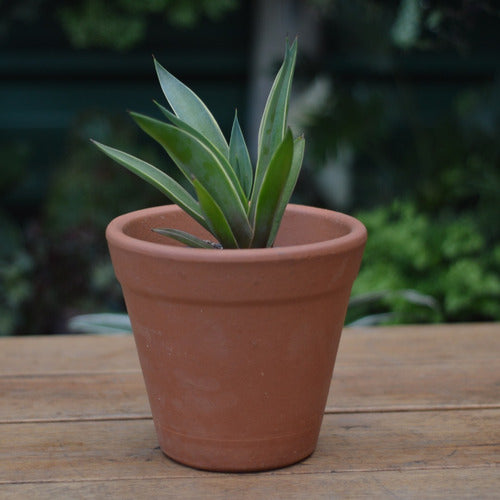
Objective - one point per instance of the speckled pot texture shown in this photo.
(237, 347)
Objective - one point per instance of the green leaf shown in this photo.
(191, 109)
(293, 175)
(160, 180)
(273, 122)
(186, 238)
(220, 228)
(194, 159)
(239, 157)
(268, 201)
(222, 159)
(174, 119)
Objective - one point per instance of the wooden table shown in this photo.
(413, 412)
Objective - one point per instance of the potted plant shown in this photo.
(238, 331)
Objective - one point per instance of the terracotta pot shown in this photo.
(237, 347)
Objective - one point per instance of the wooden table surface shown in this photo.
(413, 412)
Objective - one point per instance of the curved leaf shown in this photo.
(186, 238)
(273, 122)
(222, 159)
(160, 180)
(194, 159)
(175, 120)
(190, 108)
(273, 184)
(239, 157)
(293, 175)
(220, 228)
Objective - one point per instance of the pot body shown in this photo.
(237, 347)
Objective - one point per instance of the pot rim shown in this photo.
(355, 237)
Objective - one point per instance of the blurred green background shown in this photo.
(399, 101)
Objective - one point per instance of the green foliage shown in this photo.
(406, 29)
(421, 138)
(445, 156)
(53, 259)
(445, 259)
(239, 211)
(409, 24)
(16, 272)
(86, 191)
(16, 261)
(103, 323)
(122, 24)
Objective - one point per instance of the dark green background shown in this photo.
(422, 122)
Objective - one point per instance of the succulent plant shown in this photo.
(240, 206)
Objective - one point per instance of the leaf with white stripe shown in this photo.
(239, 157)
(160, 180)
(220, 227)
(186, 238)
(196, 160)
(293, 175)
(273, 123)
(268, 201)
(191, 109)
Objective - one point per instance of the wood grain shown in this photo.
(413, 412)
(414, 387)
(73, 397)
(464, 483)
(354, 389)
(395, 345)
(128, 449)
(402, 369)
(56, 354)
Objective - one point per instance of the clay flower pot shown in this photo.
(237, 347)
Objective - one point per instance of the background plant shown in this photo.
(421, 267)
(120, 24)
(415, 119)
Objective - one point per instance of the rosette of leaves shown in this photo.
(239, 205)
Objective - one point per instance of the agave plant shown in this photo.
(240, 206)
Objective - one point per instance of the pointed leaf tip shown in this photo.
(190, 108)
(239, 157)
(273, 123)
